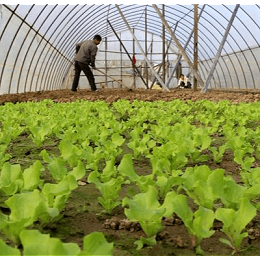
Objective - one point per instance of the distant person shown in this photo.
(85, 56)
(184, 82)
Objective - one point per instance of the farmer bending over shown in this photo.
(85, 56)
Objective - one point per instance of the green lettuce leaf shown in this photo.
(95, 244)
(37, 244)
(6, 250)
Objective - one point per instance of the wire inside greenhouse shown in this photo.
(216, 45)
(129, 129)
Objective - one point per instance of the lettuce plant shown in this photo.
(95, 244)
(70, 152)
(32, 177)
(57, 194)
(109, 191)
(39, 133)
(126, 168)
(235, 221)
(11, 178)
(218, 152)
(37, 244)
(199, 223)
(195, 183)
(145, 209)
(3, 155)
(26, 208)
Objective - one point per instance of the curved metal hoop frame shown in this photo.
(37, 42)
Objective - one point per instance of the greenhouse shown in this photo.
(38, 45)
(129, 129)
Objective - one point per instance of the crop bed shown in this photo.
(111, 95)
(127, 172)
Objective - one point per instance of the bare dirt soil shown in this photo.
(83, 214)
(111, 95)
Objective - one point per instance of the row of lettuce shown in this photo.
(178, 138)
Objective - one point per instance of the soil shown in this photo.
(83, 214)
(111, 95)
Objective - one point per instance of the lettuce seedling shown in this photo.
(218, 152)
(57, 169)
(235, 221)
(70, 152)
(165, 184)
(109, 191)
(26, 208)
(31, 177)
(195, 184)
(126, 168)
(38, 133)
(57, 194)
(3, 155)
(10, 178)
(198, 223)
(146, 209)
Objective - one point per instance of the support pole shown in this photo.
(161, 65)
(106, 61)
(133, 65)
(195, 72)
(142, 51)
(210, 74)
(121, 58)
(185, 46)
(146, 50)
(127, 53)
(195, 47)
(163, 47)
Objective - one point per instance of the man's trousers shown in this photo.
(79, 66)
